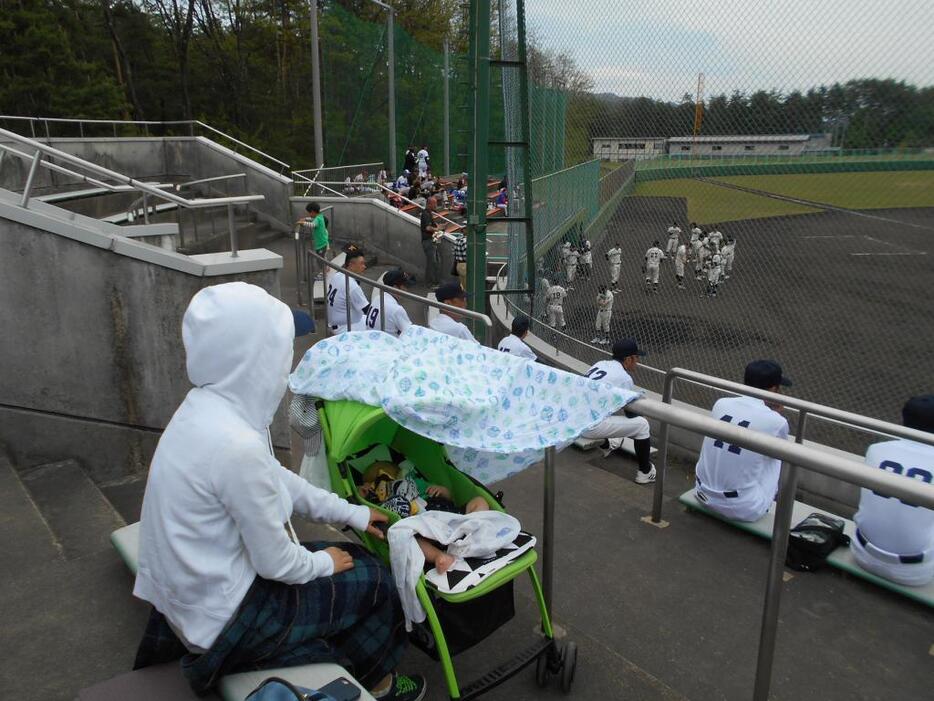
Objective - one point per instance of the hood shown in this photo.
(238, 343)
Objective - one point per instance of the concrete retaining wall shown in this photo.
(92, 357)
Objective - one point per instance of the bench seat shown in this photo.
(841, 558)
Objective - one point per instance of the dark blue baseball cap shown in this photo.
(763, 374)
(450, 290)
(918, 413)
(304, 324)
(625, 347)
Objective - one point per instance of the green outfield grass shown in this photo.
(709, 204)
(908, 188)
(677, 162)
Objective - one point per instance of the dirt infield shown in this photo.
(843, 302)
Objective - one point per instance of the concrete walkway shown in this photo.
(667, 613)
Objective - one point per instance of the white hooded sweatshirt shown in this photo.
(216, 499)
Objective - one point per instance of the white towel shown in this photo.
(479, 534)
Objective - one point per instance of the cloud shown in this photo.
(657, 48)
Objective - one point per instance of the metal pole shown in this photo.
(81, 129)
(347, 299)
(525, 112)
(667, 392)
(33, 169)
(447, 108)
(773, 590)
(316, 86)
(311, 265)
(391, 44)
(299, 266)
(233, 230)
(548, 528)
(382, 309)
(145, 208)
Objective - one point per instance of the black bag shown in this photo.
(812, 540)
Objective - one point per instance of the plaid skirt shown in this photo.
(353, 619)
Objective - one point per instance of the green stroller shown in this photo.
(356, 435)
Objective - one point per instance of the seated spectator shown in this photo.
(402, 183)
(382, 177)
(396, 319)
(229, 584)
(514, 343)
(614, 429)
(896, 540)
(734, 481)
(446, 321)
(502, 198)
(348, 186)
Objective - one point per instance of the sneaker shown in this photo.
(646, 478)
(405, 688)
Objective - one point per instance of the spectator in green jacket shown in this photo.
(316, 224)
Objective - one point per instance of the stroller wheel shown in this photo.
(541, 670)
(568, 666)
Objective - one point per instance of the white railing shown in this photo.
(43, 151)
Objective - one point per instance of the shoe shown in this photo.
(607, 452)
(405, 688)
(646, 478)
(596, 340)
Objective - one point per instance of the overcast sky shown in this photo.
(657, 47)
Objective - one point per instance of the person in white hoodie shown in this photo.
(230, 584)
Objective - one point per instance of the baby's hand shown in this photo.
(443, 562)
(437, 490)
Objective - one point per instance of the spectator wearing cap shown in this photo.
(734, 481)
(460, 257)
(393, 319)
(614, 429)
(445, 321)
(896, 540)
(514, 343)
(344, 293)
(429, 246)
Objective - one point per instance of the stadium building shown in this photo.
(639, 148)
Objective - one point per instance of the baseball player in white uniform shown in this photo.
(681, 257)
(653, 258)
(713, 274)
(570, 263)
(565, 249)
(586, 261)
(893, 539)
(340, 288)
(542, 298)
(514, 343)
(696, 232)
(613, 429)
(674, 238)
(604, 314)
(700, 256)
(727, 253)
(615, 257)
(556, 295)
(447, 321)
(715, 239)
(734, 481)
(393, 318)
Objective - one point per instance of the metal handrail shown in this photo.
(312, 183)
(795, 454)
(383, 289)
(142, 122)
(406, 199)
(349, 165)
(65, 171)
(216, 178)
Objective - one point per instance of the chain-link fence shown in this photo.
(802, 132)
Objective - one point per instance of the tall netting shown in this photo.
(801, 131)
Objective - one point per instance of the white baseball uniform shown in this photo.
(616, 428)
(556, 295)
(565, 249)
(604, 311)
(337, 304)
(587, 254)
(516, 346)
(734, 481)
(695, 233)
(445, 324)
(653, 257)
(674, 234)
(681, 258)
(422, 157)
(713, 270)
(893, 539)
(615, 256)
(727, 254)
(396, 318)
(715, 238)
(571, 264)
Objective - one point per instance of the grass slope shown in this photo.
(709, 204)
(910, 188)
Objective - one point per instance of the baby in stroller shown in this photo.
(408, 494)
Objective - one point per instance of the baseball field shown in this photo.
(839, 296)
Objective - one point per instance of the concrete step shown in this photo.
(26, 539)
(79, 516)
